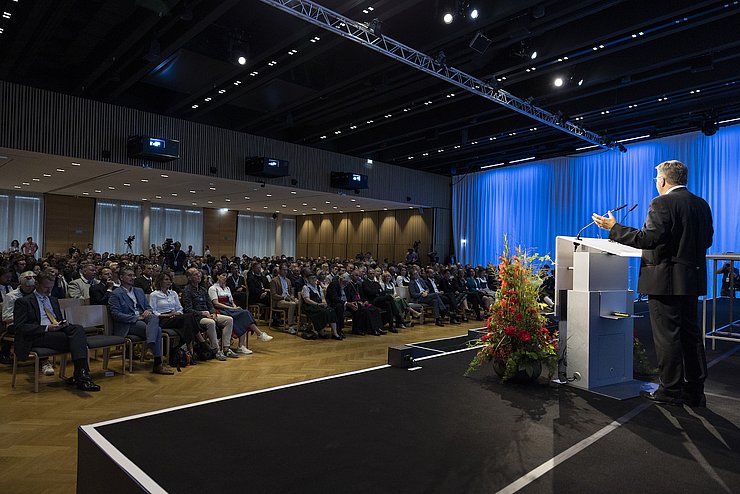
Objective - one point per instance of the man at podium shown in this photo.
(673, 273)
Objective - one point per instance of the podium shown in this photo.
(596, 310)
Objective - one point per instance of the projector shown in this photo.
(348, 181)
(153, 148)
(266, 167)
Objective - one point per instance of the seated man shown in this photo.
(259, 287)
(100, 292)
(145, 280)
(132, 313)
(422, 294)
(38, 322)
(281, 289)
(80, 287)
(195, 299)
(26, 287)
(238, 285)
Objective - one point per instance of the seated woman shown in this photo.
(475, 294)
(403, 277)
(166, 305)
(389, 288)
(222, 300)
(317, 310)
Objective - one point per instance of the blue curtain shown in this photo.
(536, 202)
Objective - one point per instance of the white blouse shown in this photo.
(165, 302)
(215, 291)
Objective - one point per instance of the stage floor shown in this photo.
(428, 430)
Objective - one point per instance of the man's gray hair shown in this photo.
(674, 172)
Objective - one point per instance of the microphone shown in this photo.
(627, 213)
(578, 237)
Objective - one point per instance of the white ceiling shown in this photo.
(24, 171)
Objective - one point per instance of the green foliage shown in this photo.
(516, 329)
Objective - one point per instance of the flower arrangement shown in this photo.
(516, 335)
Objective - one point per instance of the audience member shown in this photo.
(131, 313)
(281, 290)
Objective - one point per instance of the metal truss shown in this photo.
(365, 34)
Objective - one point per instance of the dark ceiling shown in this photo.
(649, 67)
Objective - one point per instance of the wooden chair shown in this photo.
(403, 291)
(277, 314)
(64, 303)
(96, 316)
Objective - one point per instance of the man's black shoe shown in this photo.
(82, 375)
(439, 322)
(87, 386)
(392, 329)
(659, 397)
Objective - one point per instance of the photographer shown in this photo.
(730, 281)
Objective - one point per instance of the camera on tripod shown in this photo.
(168, 246)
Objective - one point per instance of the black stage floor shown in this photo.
(429, 430)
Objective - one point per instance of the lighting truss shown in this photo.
(363, 34)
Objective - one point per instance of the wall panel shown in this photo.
(67, 219)
(219, 231)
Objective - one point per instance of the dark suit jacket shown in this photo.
(27, 322)
(414, 290)
(371, 289)
(99, 294)
(144, 284)
(256, 285)
(674, 241)
(240, 281)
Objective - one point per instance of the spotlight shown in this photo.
(523, 50)
(558, 82)
(441, 59)
(473, 13)
(709, 127)
(274, 216)
(376, 27)
(241, 60)
(448, 18)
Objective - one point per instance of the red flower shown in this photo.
(510, 330)
(486, 336)
(544, 330)
(518, 317)
(524, 335)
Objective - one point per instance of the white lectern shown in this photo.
(595, 309)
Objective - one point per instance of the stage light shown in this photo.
(558, 82)
(533, 55)
(448, 18)
(241, 60)
(474, 13)
(441, 59)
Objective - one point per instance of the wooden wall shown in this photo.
(385, 234)
(67, 219)
(219, 231)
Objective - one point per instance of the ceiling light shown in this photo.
(522, 159)
(207, 99)
(98, 191)
(328, 202)
(143, 198)
(305, 204)
(85, 193)
(158, 197)
(111, 187)
(254, 73)
(490, 166)
(558, 82)
(36, 179)
(283, 205)
(75, 164)
(194, 203)
(473, 13)
(194, 107)
(47, 175)
(60, 169)
(447, 18)
(26, 183)
(192, 192)
(293, 192)
(241, 60)
(16, 186)
(164, 176)
(212, 188)
(221, 91)
(295, 210)
(227, 200)
(246, 197)
(223, 210)
(210, 202)
(174, 194)
(268, 195)
(144, 180)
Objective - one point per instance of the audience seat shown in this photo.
(96, 316)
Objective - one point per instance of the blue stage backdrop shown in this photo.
(533, 203)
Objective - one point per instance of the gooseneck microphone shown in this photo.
(578, 237)
(627, 213)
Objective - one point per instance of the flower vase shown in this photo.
(527, 373)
